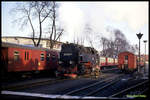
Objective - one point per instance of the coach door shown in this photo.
(36, 64)
(126, 62)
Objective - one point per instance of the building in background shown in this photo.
(44, 43)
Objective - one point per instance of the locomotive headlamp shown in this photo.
(71, 62)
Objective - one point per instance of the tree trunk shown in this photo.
(40, 26)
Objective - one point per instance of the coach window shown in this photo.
(126, 57)
(16, 56)
(108, 60)
(42, 56)
(25, 56)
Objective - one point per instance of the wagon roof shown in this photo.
(126, 52)
(6, 44)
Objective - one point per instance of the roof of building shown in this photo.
(27, 38)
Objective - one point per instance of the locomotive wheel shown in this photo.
(82, 69)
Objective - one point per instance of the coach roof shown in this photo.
(5, 44)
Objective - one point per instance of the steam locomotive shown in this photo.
(77, 59)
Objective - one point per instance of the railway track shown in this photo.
(24, 85)
(106, 88)
(110, 87)
(92, 81)
(110, 70)
(134, 90)
(30, 83)
(117, 87)
(85, 91)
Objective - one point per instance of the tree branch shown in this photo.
(59, 35)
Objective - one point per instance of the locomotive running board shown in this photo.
(48, 96)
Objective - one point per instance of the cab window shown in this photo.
(48, 57)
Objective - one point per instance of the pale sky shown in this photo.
(129, 17)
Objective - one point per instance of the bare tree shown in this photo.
(120, 42)
(89, 34)
(78, 41)
(55, 33)
(104, 42)
(108, 47)
(134, 48)
(32, 10)
(42, 11)
(82, 41)
(112, 48)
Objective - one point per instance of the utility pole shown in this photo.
(139, 37)
(145, 56)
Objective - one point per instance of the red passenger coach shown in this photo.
(108, 62)
(127, 61)
(19, 58)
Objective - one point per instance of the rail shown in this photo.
(109, 69)
(92, 85)
(31, 84)
(129, 89)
